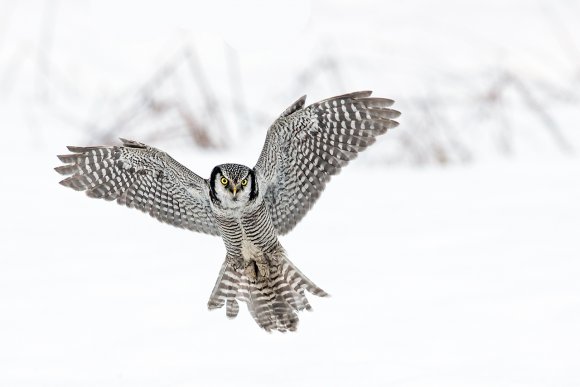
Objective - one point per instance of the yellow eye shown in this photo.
(224, 181)
(244, 182)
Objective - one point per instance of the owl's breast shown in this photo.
(258, 233)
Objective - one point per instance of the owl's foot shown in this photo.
(250, 271)
(263, 269)
(255, 270)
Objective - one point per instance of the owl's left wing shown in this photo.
(142, 177)
(306, 146)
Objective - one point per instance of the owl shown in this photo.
(249, 208)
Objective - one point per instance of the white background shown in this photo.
(457, 275)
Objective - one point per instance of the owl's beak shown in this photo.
(235, 189)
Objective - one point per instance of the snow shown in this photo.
(463, 275)
(457, 276)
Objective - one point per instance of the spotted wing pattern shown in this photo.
(142, 177)
(306, 146)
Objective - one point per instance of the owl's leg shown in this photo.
(236, 262)
(256, 265)
(262, 264)
(257, 268)
(263, 269)
(250, 270)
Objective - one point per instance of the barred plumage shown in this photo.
(247, 207)
(304, 148)
(257, 271)
(141, 177)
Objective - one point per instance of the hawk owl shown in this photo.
(248, 207)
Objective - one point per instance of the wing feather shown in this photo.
(142, 177)
(305, 147)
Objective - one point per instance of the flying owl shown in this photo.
(248, 207)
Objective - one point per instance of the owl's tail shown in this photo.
(272, 300)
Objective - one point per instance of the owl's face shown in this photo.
(233, 185)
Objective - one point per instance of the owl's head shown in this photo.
(232, 185)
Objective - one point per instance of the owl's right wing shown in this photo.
(142, 177)
(307, 145)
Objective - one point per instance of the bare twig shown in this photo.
(212, 107)
(541, 112)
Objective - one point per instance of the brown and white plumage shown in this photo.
(247, 207)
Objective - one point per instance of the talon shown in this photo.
(237, 263)
(250, 271)
(263, 269)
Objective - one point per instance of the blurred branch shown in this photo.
(536, 107)
(212, 106)
(447, 125)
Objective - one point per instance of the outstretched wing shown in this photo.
(306, 146)
(142, 177)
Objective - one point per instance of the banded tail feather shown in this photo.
(272, 301)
